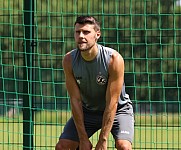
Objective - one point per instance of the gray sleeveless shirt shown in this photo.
(92, 78)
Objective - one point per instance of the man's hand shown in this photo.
(85, 145)
(101, 145)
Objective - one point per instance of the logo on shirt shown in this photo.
(124, 132)
(78, 79)
(101, 80)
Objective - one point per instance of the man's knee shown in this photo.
(61, 145)
(58, 146)
(64, 144)
(123, 145)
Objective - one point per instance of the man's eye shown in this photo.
(86, 32)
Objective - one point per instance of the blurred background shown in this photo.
(34, 37)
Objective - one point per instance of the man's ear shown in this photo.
(98, 35)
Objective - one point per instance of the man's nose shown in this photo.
(81, 35)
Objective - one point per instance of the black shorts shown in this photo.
(123, 126)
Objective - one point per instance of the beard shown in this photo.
(84, 47)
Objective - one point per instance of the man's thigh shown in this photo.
(66, 144)
(123, 126)
(92, 124)
(70, 131)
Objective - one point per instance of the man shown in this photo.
(95, 83)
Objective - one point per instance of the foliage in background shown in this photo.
(146, 33)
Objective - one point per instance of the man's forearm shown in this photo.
(107, 122)
(77, 113)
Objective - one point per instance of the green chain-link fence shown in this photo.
(35, 35)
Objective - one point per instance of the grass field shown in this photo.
(151, 132)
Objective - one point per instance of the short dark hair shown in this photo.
(88, 20)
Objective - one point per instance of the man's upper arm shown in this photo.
(116, 76)
(70, 81)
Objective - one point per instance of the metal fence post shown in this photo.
(28, 124)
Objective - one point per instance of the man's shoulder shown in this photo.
(116, 57)
(111, 51)
(71, 57)
(107, 49)
(71, 53)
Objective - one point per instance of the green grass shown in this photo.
(159, 131)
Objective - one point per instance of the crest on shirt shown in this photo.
(78, 79)
(101, 80)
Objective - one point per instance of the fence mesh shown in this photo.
(35, 35)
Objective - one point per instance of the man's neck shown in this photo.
(90, 54)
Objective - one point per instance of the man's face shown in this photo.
(85, 36)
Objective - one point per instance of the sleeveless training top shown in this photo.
(92, 78)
